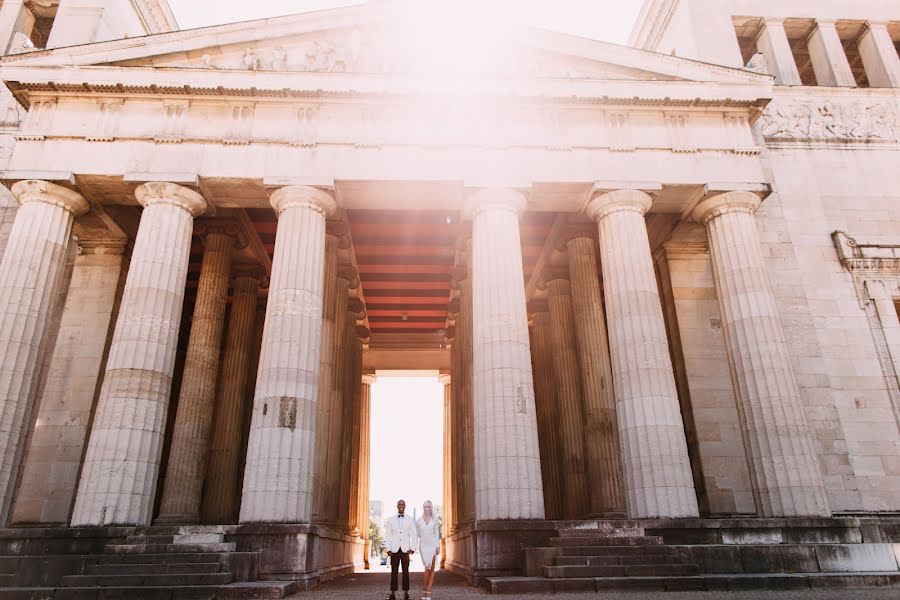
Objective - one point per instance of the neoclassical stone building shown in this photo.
(661, 280)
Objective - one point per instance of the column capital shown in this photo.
(356, 306)
(496, 198)
(729, 202)
(537, 306)
(607, 203)
(363, 332)
(876, 24)
(231, 229)
(35, 190)
(773, 22)
(826, 23)
(575, 232)
(303, 195)
(551, 273)
(350, 273)
(369, 378)
(252, 273)
(160, 192)
(444, 378)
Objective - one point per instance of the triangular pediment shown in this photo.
(370, 39)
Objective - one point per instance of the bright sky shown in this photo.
(407, 442)
(599, 19)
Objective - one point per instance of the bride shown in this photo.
(429, 532)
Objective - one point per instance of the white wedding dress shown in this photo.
(429, 540)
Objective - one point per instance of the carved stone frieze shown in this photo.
(831, 120)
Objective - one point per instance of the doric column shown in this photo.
(776, 49)
(51, 465)
(29, 275)
(601, 439)
(570, 420)
(828, 58)
(220, 492)
(879, 56)
(783, 465)
(281, 449)
(455, 438)
(118, 479)
(326, 369)
(447, 520)
(190, 436)
(657, 472)
(546, 407)
(465, 426)
(507, 461)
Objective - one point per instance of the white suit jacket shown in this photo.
(400, 534)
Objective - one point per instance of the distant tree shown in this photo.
(375, 538)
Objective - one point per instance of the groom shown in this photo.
(400, 537)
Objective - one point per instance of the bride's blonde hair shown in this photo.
(430, 506)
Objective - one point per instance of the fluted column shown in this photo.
(658, 480)
(507, 460)
(220, 492)
(570, 418)
(465, 418)
(546, 407)
(455, 436)
(365, 404)
(786, 477)
(281, 449)
(326, 369)
(601, 439)
(118, 479)
(29, 275)
(350, 429)
(446, 521)
(190, 437)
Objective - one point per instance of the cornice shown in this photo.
(651, 22)
(156, 15)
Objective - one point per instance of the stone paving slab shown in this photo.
(374, 586)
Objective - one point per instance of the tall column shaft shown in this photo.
(354, 430)
(281, 448)
(221, 490)
(365, 403)
(546, 409)
(190, 437)
(455, 437)
(118, 479)
(658, 480)
(326, 369)
(783, 465)
(51, 465)
(601, 438)
(507, 460)
(575, 501)
(465, 332)
(30, 272)
(447, 520)
(333, 446)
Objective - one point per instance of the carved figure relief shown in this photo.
(831, 120)
(250, 60)
(323, 57)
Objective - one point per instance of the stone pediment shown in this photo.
(370, 39)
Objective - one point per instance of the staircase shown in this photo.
(619, 556)
(163, 563)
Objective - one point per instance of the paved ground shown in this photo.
(374, 586)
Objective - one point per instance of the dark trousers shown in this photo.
(397, 559)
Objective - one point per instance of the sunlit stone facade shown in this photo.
(659, 280)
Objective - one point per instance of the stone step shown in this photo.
(147, 558)
(649, 540)
(258, 589)
(170, 548)
(595, 532)
(613, 550)
(153, 568)
(605, 561)
(574, 572)
(208, 592)
(525, 585)
(169, 579)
